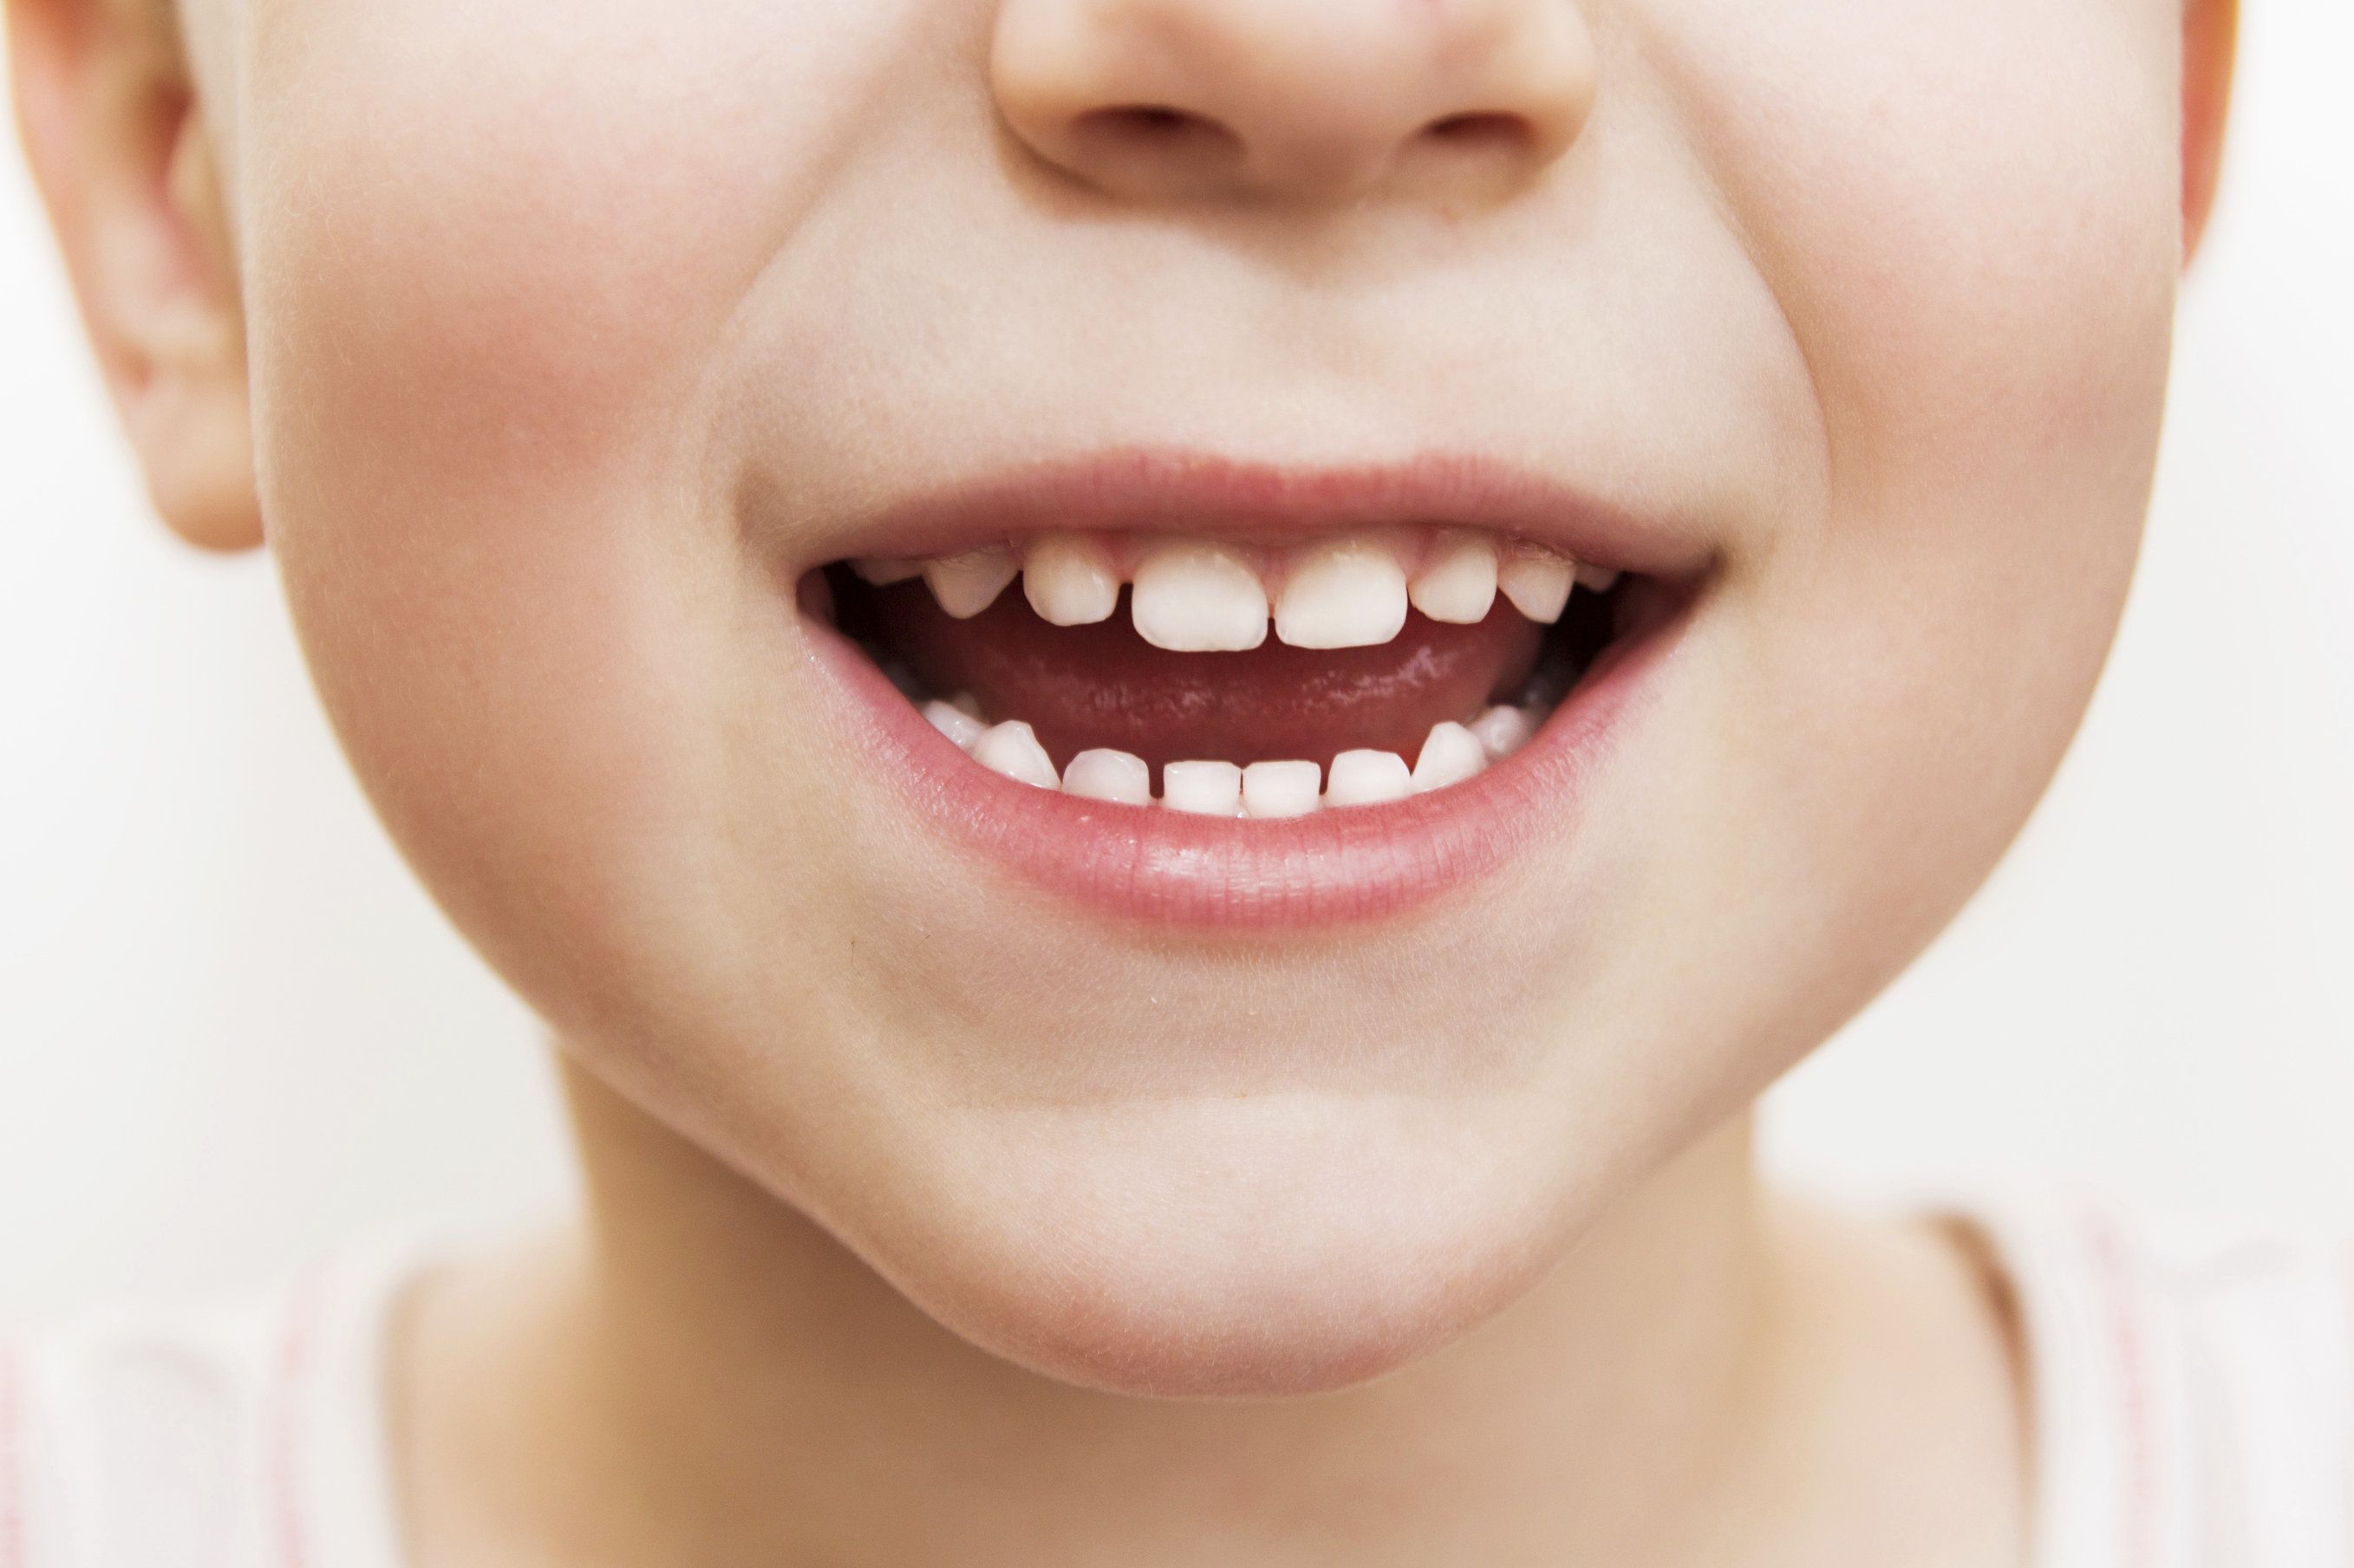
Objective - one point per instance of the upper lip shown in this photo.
(1207, 494)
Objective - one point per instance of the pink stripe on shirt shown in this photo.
(12, 1462)
(289, 1388)
(2130, 1341)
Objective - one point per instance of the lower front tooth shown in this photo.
(1537, 582)
(1012, 748)
(1203, 789)
(1503, 731)
(955, 723)
(968, 583)
(1368, 778)
(1104, 774)
(1450, 754)
(1281, 788)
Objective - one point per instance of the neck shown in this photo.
(767, 1397)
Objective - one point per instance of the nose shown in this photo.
(1313, 99)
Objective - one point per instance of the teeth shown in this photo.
(1198, 598)
(1601, 579)
(1537, 582)
(1204, 789)
(968, 583)
(1350, 593)
(955, 723)
(1069, 581)
(1281, 788)
(1450, 754)
(883, 572)
(1458, 584)
(1012, 748)
(1503, 731)
(1107, 775)
(1367, 779)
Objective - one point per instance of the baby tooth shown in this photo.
(1198, 598)
(1068, 581)
(1204, 789)
(1106, 775)
(1458, 584)
(955, 723)
(1601, 579)
(966, 702)
(1368, 778)
(1503, 731)
(882, 571)
(1537, 582)
(1281, 788)
(1450, 754)
(968, 583)
(1346, 594)
(1012, 748)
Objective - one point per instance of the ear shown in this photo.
(2211, 33)
(107, 107)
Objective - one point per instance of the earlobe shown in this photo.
(112, 126)
(2209, 42)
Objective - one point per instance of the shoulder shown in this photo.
(239, 1430)
(2192, 1384)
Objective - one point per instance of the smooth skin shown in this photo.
(545, 342)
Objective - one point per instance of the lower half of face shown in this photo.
(1206, 774)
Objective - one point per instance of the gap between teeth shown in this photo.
(1450, 754)
(1189, 594)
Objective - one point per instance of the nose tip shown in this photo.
(1298, 98)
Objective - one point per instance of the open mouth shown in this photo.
(1198, 691)
(1225, 679)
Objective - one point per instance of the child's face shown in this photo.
(583, 330)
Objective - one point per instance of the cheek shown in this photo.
(1967, 216)
(499, 247)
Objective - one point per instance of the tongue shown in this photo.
(1103, 686)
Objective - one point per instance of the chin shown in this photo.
(1259, 1248)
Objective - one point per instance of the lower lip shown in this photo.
(1330, 867)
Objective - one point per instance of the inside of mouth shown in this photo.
(1104, 708)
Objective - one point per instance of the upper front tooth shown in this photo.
(1069, 581)
(1198, 598)
(1367, 778)
(1601, 579)
(1348, 593)
(1450, 754)
(1012, 748)
(968, 583)
(1537, 582)
(1458, 584)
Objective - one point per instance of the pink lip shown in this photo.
(1152, 488)
(1339, 865)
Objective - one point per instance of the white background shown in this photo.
(232, 1031)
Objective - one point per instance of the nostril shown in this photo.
(1482, 130)
(1156, 129)
(1144, 119)
(1156, 145)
